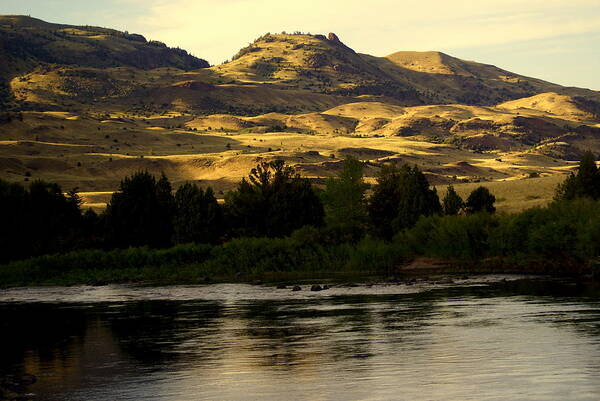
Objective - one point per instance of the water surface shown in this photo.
(482, 339)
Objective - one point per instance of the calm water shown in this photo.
(472, 340)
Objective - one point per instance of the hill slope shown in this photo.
(90, 105)
(65, 67)
(27, 43)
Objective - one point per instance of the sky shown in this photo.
(554, 40)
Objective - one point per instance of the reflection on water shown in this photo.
(492, 341)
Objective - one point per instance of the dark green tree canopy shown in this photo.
(584, 184)
(344, 197)
(198, 217)
(480, 200)
(140, 213)
(37, 220)
(273, 202)
(452, 202)
(400, 197)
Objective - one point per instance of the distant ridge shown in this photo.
(30, 41)
(62, 67)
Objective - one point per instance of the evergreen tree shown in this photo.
(54, 218)
(15, 221)
(140, 213)
(198, 216)
(273, 202)
(452, 202)
(399, 198)
(586, 183)
(166, 206)
(480, 200)
(37, 220)
(245, 211)
(344, 199)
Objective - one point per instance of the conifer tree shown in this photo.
(198, 216)
(480, 200)
(452, 202)
(140, 212)
(344, 197)
(400, 197)
(586, 183)
(273, 202)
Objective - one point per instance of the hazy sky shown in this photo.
(555, 40)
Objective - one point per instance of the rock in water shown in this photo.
(27, 379)
(316, 287)
(297, 288)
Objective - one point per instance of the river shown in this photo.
(481, 338)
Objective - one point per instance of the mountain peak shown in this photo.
(23, 21)
(333, 38)
(27, 42)
(432, 62)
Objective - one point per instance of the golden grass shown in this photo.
(515, 195)
(95, 154)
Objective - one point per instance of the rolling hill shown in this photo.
(84, 106)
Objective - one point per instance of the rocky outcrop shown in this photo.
(333, 37)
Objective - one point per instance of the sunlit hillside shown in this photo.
(86, 106)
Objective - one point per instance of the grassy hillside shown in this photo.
(28, 44)
(28, 40)
(86, 106)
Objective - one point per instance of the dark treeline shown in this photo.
(274, 201)
(567, 230)
(276, 218)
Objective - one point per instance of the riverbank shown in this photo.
(562, 240)
(262, 260)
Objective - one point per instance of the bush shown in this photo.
(454, 237)
(51, 268)
(567, 230)
(564, 229)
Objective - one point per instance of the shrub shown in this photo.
(456, 237)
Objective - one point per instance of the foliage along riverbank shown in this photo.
(561, 239)
(278, 225)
